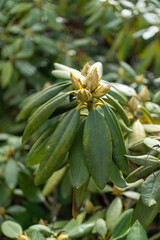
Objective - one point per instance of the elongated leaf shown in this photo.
(21, 7)
(116, 176)
(78, 197)
(118, 108)
(53, 181)
(42, 114)
(61, 74)
(41, 97)
(78, 166)
(81, 230)
(42, 228)
(144, 160)
(126, 90)
(137, 232)
(35, 154)
(156, 97)
(152, 143)
(151, 189)
(97, 147)
(113, 212)
(139, 173)
(119, 150)
(122, 224)
(16, 209)
(58, 146)
(11, 173)
(144, 214)
(151, 127)
(6, 75)
(128, 70)
(132, 195)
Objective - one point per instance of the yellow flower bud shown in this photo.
(91, 82)
(2, 211)
(84, 95)
(62, 237)
(144, 94)
(139, 79)
(133, 103)
(76, 82)
(121, 72)
(89, 206)
(101, 90)
(85, 69)
(22, 237)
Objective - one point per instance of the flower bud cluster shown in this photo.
(87, 85)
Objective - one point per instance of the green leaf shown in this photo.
(21, 7)
(144, 214)
(156, 97)
(128, 70)
(25, 68)
(35, 154)
(113, 212)
(61, 74)
(131, 194)
(16, 209)
(42, 114)
(144, 160)
(42, 228)
(11, 229)
(118, 108)
(101, 227)
(112, 24)
(126, 4)
(116, 176)
(95, 17)
(11, 173)
(81, 230)
(152, 107)
(5, 193)
(58, 146)
(7, 71)
(74, 222)
(37, 235)
(151, 189)
(137, 232)
(122, 224)
(152, 143)
(40, 98)
(126, 90)
(31, 192)
(53, 181)
(119, 149)
(97, 147)
(78, 197)
(78, 166)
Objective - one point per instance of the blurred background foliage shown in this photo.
(123, 35)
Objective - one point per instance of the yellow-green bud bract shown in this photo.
(133, 103)
(76, 82)
(85, 69)
(84, 95)
(91, 82)
(101, 90)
